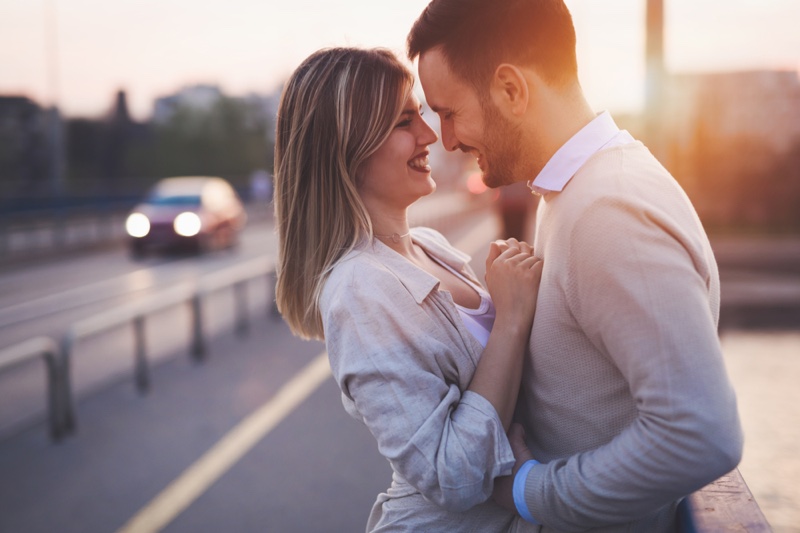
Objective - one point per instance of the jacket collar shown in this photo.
(418, 282)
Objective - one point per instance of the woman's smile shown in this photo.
(420, 163)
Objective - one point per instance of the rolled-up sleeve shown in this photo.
(402, 376)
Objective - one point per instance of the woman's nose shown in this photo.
(427, 135)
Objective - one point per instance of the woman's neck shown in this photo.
(391, 228)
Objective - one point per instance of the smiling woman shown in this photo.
(410, 331)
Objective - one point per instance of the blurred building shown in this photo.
(762, 104)
(23, 145)
(731, 138)
(198, 97)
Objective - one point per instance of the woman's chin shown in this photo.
(432, 184)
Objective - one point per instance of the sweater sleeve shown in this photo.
(639, 288)
(392, 370)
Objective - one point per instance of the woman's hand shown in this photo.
(513, 274)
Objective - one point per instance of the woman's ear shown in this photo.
(509, 90)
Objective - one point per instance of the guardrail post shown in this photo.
(140, 353)
(47, 349)
(198, 349)
(67, 408)
(242, 309)
(53, 379)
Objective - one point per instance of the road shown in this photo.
(255, 438)
(45, 298)
(130, 447)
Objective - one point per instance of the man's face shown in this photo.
(468, 124)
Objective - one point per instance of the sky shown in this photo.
(153, 48)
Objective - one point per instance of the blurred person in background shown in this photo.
(517, 211)
(423, 355)
(625, 403)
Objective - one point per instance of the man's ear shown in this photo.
(509, 90)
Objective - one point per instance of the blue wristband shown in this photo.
(519, 491)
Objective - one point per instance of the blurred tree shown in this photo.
(229, 139)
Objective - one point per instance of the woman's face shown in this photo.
(398, 173)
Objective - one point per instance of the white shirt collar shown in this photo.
(601, 132)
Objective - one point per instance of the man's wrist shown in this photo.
(519, 490)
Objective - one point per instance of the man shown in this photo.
(625, 400)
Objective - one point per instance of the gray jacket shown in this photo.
(403, 359)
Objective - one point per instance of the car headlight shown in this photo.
(137, 225)
(187, 224)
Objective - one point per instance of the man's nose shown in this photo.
(449, 139)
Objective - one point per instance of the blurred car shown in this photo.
(186, 213)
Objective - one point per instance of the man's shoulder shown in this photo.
(627, 175)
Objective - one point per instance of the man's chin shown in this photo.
(493, 181)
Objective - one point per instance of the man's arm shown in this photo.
(644, 303)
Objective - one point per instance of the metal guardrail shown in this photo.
(48, 350)
(191, 294)
(23, 237)
(440, 212)
(58, 357)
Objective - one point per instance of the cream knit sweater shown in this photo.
(626, 401)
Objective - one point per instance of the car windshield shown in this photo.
(192, 200)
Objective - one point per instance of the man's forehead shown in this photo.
(433, 66)
(441, 86)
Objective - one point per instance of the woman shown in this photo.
(406, 324)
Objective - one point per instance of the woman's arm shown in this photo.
(398, 364)
(512, 275)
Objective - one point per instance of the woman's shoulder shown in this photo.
(357, 272)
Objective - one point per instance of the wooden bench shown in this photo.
(724, 505)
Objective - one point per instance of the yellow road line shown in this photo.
(196, 479)
(225, 453)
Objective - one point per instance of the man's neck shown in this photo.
(558, 115)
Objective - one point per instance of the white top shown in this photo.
(479, 322)
(600, 133)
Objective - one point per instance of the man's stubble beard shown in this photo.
(503, 154)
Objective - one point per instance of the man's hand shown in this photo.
(503, 494)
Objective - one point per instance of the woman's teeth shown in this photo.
(419, 163)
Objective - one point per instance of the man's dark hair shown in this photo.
(478, 35)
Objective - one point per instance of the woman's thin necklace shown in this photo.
(394, 236)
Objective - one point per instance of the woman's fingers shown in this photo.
(495, 249)
(530, 261)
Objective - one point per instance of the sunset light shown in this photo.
(244, 46)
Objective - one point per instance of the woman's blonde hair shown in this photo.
(337, 109)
